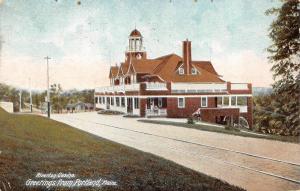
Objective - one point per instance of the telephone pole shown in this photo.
(1, 44)
(30, 95)
(1, 40)
(20, 105)
(48, 88)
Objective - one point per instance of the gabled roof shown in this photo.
(206, 65)
(113, 71)
(165, 68)
(164, 59)
(145, 65)
(167, 71)
(123, 68)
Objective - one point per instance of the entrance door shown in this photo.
(129, 105)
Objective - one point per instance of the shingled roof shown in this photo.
(166, 66)
(206, 65)
(135, 33)
(113, 71)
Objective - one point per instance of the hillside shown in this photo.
(31, 144)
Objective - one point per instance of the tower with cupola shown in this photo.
(135, 47)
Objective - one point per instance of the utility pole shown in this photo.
(1, 40)
(48, 88)
(20, 105)
(30, 95)
(1, 44)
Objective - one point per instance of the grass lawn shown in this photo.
(292, 139)
(30, 144)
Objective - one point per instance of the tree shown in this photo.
(285, 60)
(56, 91)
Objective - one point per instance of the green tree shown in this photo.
(284, 57)
(56, 91)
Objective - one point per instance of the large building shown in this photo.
(172, 86)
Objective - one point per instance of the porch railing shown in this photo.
(198, 87)
(118, 88)
(243, 108)
(156, 86)
(156, 112)
(239, 86)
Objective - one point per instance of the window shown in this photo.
(112, 99)
(100, 100)
(118, 101)
(241, 100)
(233, 100)
(203, 101)
(96, 99)
(219, 100)
(181, 71)
(194, 71)
(136, 103)
(103, 101)
(225, 100)
(123, 102)
(181, 102)
(108, 100)
(160, 102)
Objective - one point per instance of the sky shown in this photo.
(84, 40)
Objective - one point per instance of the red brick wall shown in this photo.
(212, 102)
(191, 105)
(187, 56)
(210, 115)
(143, 102)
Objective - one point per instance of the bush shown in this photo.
(231, 128)
(190, 120)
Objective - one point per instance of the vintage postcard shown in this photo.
(139, 95)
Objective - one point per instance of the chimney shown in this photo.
(187, 56)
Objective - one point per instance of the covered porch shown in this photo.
(156, 107)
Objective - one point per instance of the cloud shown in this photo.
(70, 72)
(244, 66)
(83, 39)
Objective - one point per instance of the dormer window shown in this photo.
(194, 71)
(181, 71)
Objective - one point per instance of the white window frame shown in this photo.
(183, 102)
(206, 101)
(181, 71)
